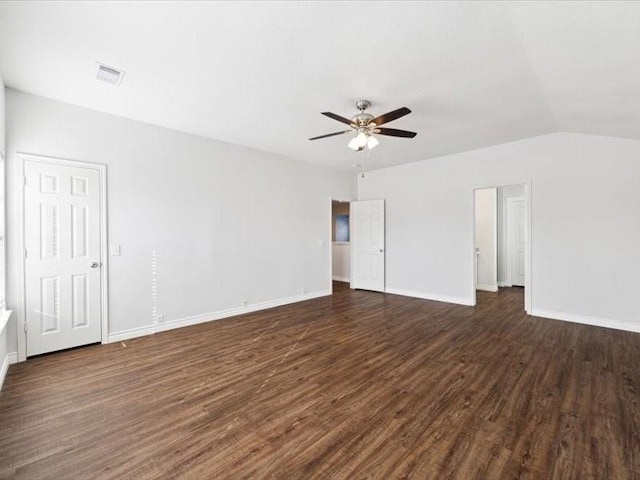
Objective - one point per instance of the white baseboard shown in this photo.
(131, 333)
(429, 296)
(208, 317)
(487, 288)
(587, 320)
(13, 358)
(341, 279)
(504, 284)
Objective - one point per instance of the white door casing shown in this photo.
(516, 240)
(62, 239)
(367, 245)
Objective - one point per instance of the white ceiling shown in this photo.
(259, 73)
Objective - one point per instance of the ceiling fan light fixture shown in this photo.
(354, 144)
(362, 139)
(372, 142)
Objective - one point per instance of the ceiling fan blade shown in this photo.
(390, 116)
(330, 134)
(394, 132)
(337, 117)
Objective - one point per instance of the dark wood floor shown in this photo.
(358, 385)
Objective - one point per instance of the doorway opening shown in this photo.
(340, 241)
(502, 243)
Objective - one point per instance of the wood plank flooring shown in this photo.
(357, 385)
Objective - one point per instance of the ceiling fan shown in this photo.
(365, 125)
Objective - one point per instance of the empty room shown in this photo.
(319, 240)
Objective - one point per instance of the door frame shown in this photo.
(507, 202)
(330, 242)
(528, 249)
(104, 271)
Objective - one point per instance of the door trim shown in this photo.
(104, 271)
(528, 293)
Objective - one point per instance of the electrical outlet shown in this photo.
(160, 319)
(245, 303)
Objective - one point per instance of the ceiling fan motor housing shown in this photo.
(362, 119)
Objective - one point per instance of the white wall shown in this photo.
(507, 191)
(2, 116)
(486, 223)
(341, 261)
(2, 191)
(225, 223)
(4, 340)
(585, 193)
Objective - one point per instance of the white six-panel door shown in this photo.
(367, 245)
(516, 239)
(62, 256)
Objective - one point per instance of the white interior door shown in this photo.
(516, 239)
(367, 245)
(62, 256)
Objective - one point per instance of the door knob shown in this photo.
(381, 250)
(94, 265)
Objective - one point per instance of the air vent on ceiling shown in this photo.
(109, 74)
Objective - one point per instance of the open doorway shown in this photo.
(340, 241)
(501, 248)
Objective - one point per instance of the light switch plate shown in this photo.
(115, 250)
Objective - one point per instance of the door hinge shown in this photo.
(25, 180)
(25, 253)
(25, 326)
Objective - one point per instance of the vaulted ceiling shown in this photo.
(258, 74)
